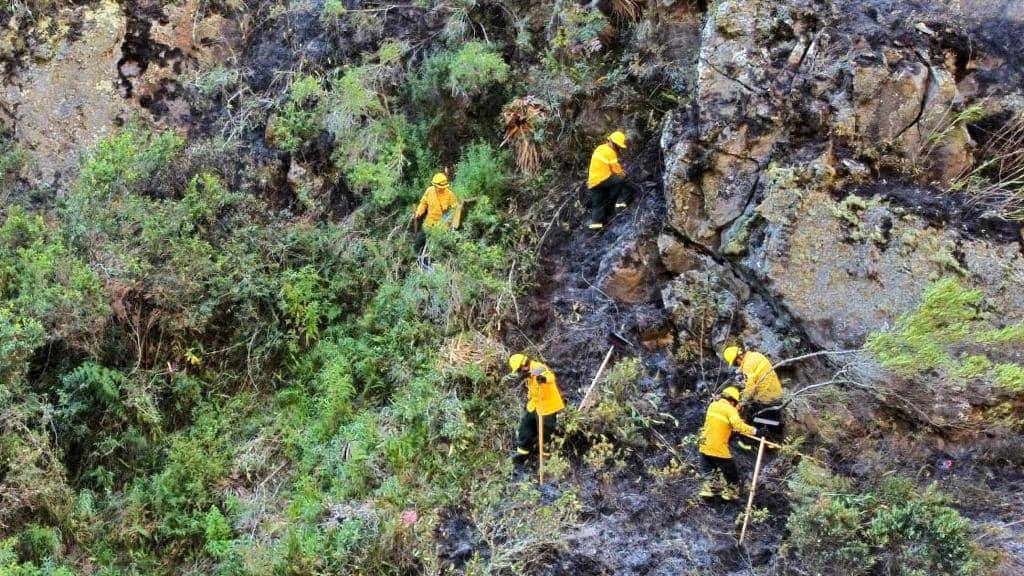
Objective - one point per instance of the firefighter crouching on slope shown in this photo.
(544, 398)
(762, 391)
(607, 181)
(721, 421)
(435, 207)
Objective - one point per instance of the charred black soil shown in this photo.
(946, 210)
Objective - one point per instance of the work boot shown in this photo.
(520, 456)
(707, 490)
(730, 493)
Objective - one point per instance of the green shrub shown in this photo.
(482, 172)
(125, 159)
(475, 67)
(13, 158)
(573, 57)
(950, 334)
(19, 337)
(105, 417)
(470, 71)
(41, 278)
(218, 534)
(370, 142)
(11, 566)
(39, 543)
(333, 11)
(301, 119)
(891, 528)
(173, 503)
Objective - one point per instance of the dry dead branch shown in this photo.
(998, 182)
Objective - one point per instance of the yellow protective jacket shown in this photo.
(762, 384)
(721, 421)
(435, 202)
(542, 389)
(603, 164)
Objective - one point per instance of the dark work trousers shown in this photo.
(526, 438)
(604, 197)
(420, 241)
(768, 412)
(708, 465)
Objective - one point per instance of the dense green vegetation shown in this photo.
(219, 354)
(888, 529)
(192, 377)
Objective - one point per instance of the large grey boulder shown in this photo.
(776, 166)
(845, 268)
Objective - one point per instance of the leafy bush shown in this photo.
(11, 566)
(469, 72)
(891, 529)
(475, 67)
(482, 172)
(12, 157)
(218, 534)
(39, 543)
(40, 278)
(301, 119)
(370, 142)
(574, 53)
(950, 332)
(173, 504)
(106, 418)
(125, 159)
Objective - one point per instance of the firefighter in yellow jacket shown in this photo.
(762, 391)
(543, 398)
(721, 421)
(435, 208)
(607, 182)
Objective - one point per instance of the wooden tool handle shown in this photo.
(753, 489)
(540, 446)
(586, 402)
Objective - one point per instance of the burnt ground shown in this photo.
(945, 210)
(634, 522)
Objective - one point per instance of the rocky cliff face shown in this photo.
(821, 147)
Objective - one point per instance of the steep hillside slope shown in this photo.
(221, 354)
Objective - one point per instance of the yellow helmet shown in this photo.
(516, 361)
(440, 179)
(618, 138)
(730, 354)
(732, 392)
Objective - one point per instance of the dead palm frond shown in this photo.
(522, 118)
(628, 9)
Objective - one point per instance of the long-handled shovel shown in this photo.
(757, 472)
